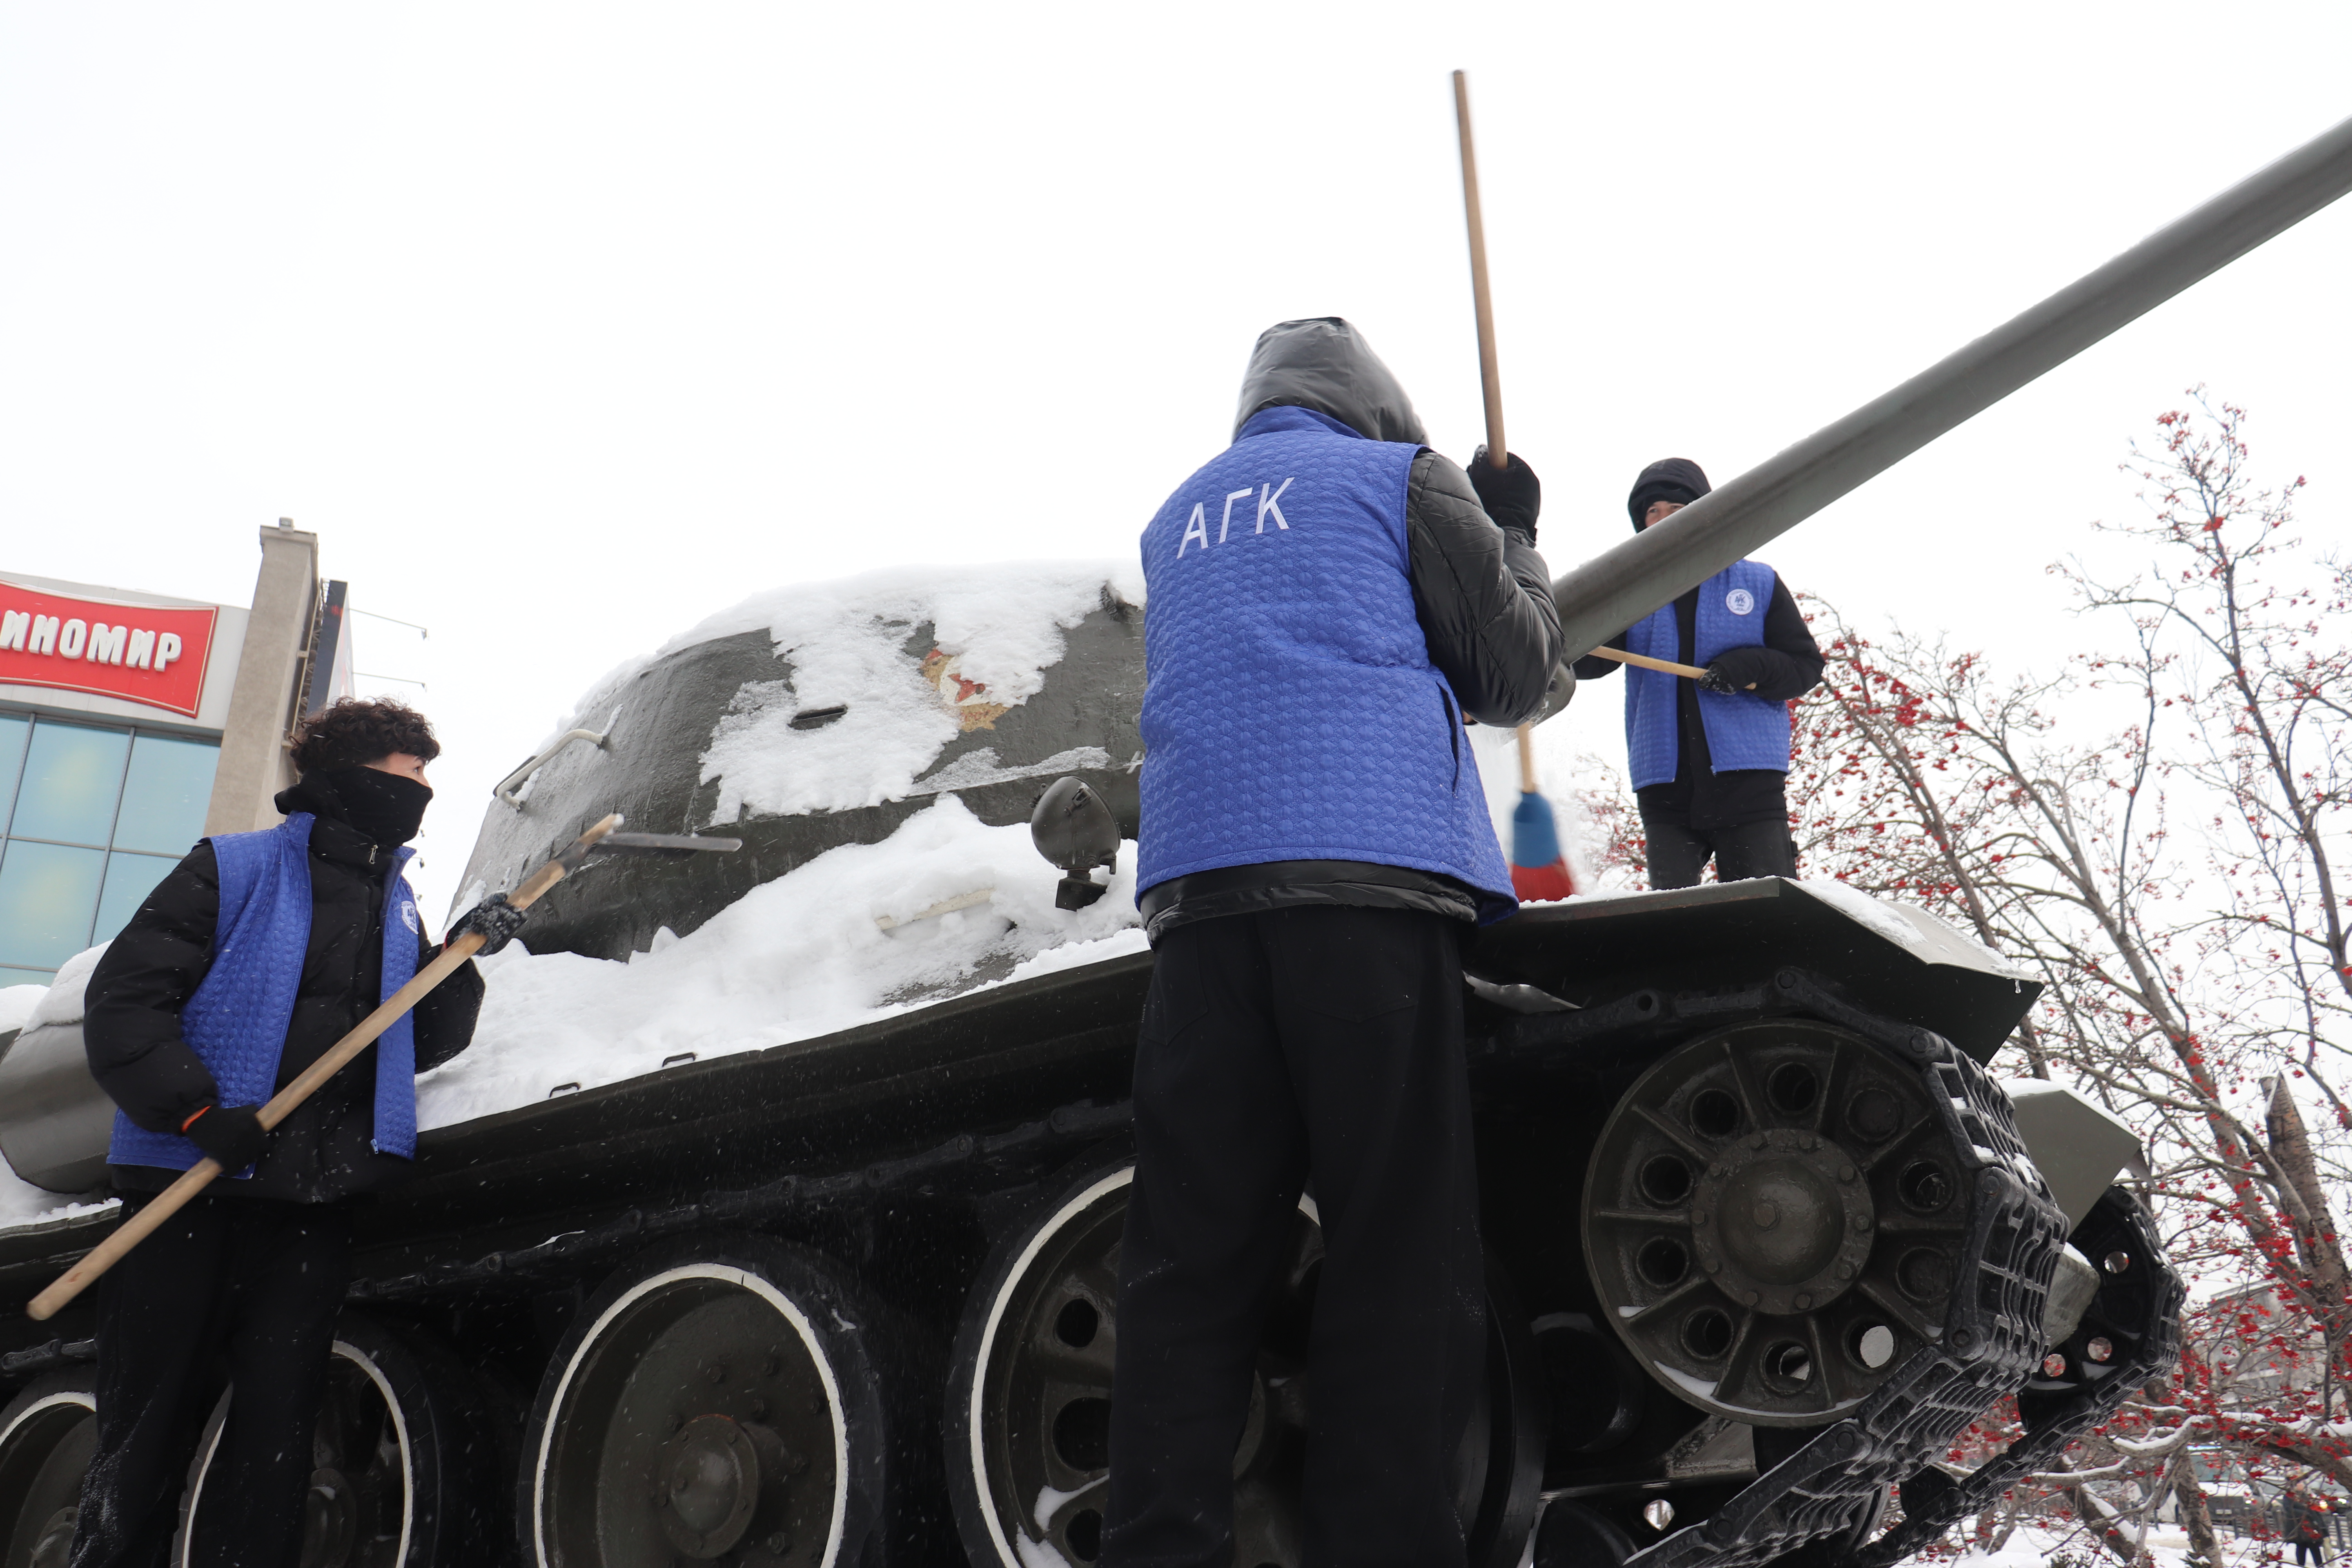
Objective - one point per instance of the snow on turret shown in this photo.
(994, 631)
(877, 743)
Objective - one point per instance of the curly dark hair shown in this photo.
(356, 730)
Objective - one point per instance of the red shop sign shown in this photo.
(140, 653)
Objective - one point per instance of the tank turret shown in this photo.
(819, 717)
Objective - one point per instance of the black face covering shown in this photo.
(387, 808)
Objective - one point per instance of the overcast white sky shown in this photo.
(563, 326)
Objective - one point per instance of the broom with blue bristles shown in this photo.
(1540, 868)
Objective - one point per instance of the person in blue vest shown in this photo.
(1330, 602)
(250, 958)
(1709, 758)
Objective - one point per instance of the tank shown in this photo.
(774, 1220)
(1763, 1232)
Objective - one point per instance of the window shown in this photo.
(94, 816)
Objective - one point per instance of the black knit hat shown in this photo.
(1668, 478)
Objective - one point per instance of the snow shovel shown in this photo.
(1490, 378)
(604, 836)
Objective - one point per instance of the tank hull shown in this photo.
(893, 1086)
(905, 1152)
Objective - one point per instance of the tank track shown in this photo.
(2137, 1308)
(1832, 1489)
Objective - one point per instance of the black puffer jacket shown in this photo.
(322, 1153)
(1481, 593)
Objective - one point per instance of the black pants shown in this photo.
(1751, 849)
(230, 1290)
(1317, 1044)
(2308, 1552)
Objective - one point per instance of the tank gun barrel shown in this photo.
(1618, 587)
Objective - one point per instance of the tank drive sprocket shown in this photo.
(1773, 1219)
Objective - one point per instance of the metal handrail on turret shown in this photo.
(510, 788)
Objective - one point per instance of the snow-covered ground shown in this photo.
(2168, 1546)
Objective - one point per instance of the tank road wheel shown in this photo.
(47, 1433)
(1774, 1219)
(1028, 1402)
(730, 1398)
(404, 1470)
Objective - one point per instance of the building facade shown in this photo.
(132, 724)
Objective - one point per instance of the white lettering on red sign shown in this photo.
(150, 655)
(106, 642)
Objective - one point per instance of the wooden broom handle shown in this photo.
(1490, 377)
(1690, 671)
(175, 1197)
(1527, 759)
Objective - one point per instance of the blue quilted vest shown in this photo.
(1290, 712)
(236, 1021)
(1743, 730)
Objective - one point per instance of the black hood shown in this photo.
(1324, 363)
(1668, 478)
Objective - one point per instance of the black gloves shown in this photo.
(494, 918)
(1511, 496)
(1718, 678)
(1739, 670)
(233, 1134)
